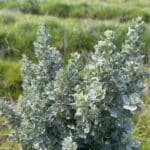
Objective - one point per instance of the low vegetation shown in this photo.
(75, 25)
(123, 10)
(81, 104)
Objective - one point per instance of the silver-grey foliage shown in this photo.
(80, 106)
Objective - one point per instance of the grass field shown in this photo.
(75, 25)
(124, 10)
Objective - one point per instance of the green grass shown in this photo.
(142, 121)
(68, 35)
(83, 9)
(6, 144)
(10, 80)
(142, 128)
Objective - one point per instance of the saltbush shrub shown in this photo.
(84, 104)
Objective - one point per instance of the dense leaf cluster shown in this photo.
(78, 105)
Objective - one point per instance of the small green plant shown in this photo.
(81, 105)
(29, 6)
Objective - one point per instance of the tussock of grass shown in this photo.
(5, 143)
(12, 146)
(142, 128)
(124, 10)
(10, 80)
(68, 35)
(142, 120)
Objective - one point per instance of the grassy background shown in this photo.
(75, 25)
